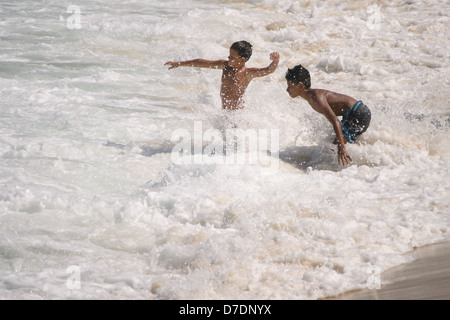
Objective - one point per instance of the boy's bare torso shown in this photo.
(339, 103)
(233, 86)
(235, 75)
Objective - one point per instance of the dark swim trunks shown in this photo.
(355, 121)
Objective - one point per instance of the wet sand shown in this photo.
(425, 278)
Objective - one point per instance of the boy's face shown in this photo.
(234, 60)
(294, 89)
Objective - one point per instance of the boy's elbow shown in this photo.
(271, 69)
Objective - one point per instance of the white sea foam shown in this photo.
(92, 204)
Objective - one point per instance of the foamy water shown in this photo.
(92, 205)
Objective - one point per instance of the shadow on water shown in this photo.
(165, 147)
(160, 147)
(304, 157)
(116, 145)
(301, 157)
(146, 149)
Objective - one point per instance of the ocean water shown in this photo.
(94, 203)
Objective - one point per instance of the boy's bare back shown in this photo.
(339, 103)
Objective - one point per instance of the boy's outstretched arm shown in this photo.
(197, 63)
(261, 72)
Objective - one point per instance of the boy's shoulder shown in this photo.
(337, 101)
(328, 94)
(322, 91)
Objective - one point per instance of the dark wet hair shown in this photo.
(243, 48)
(298, 74)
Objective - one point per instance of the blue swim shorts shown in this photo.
(355, 121)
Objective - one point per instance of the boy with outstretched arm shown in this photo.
(355, 114)
(235, 75)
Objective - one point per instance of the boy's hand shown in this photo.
(274, 56)
(343, 158)
(173, 65)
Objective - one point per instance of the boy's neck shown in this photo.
(307, 94)
(239, 67)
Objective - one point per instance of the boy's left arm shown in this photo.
(261, 72)
(325, 109)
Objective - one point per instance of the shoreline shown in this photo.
(427, 277)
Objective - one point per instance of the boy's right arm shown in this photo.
(197, 63)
